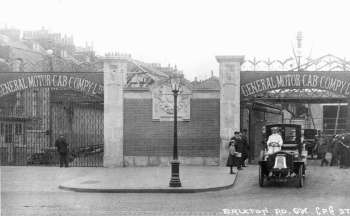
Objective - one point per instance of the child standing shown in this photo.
(231, 156)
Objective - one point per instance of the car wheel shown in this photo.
(300, 177)
(261, 177)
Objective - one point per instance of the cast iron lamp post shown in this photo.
(175, 171)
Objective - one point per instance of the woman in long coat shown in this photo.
(231, 160)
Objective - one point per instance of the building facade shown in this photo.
(118, 111)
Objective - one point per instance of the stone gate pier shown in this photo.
(115, 68)
(229, 76)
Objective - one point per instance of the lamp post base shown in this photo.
(175, 174)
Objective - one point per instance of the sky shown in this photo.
(190, 33)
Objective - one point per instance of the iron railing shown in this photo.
(30, 122)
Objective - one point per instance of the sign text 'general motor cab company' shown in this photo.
(321, 81)
(51, 81)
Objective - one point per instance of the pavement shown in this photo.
(151, 180)
(33, 191)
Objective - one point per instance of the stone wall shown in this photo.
(148, 142)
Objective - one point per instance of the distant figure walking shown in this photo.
(62, 149)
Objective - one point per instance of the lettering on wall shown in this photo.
(294, 81)
(51, 81)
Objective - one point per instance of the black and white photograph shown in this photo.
(174, 108)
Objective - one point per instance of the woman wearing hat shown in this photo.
(274, 142)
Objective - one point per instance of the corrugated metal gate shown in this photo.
(32, 119)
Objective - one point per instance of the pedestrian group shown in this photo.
(334, 151)
(238, 151)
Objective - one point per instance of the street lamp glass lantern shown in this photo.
(175, 83)
(49, 52)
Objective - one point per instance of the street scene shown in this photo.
(26, 194)
(174, 107)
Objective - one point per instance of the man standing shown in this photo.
(62, 149)
(322, 148)
(344, 148)
(335, 151)
(245, 153)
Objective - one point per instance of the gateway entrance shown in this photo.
(39, 103)
(314, 95)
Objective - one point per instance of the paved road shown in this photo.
(325, 188)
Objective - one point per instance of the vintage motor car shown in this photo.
(289, 161)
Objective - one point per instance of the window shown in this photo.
(18, 129)
(8, 133)
(290, 134)
(332, 124)
(2, 129)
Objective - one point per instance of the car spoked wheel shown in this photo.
(261, 177)
(300, 177)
